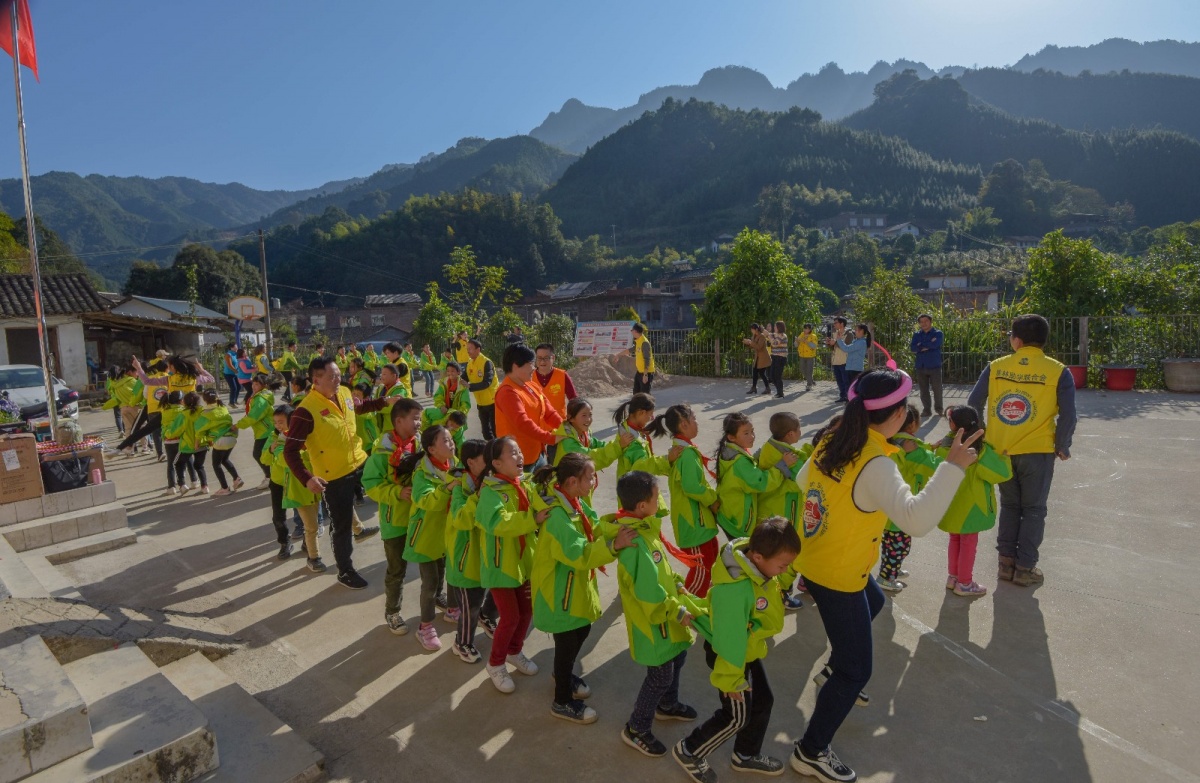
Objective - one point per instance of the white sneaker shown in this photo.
(264, 484)
(523, 664)
(171, 492)
(501, 678)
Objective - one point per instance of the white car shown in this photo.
(26, 385)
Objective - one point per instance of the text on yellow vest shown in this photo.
(334, 446)
(1023, 402)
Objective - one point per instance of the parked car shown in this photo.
(25, 385)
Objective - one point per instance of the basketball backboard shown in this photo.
(247, 308)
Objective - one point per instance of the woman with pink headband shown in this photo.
(851, 489)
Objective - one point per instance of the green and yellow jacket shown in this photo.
(287, 362)
(508, 534)
(639, 455)
(602, 452)
(381, 485)
(784, 500)
(366, 426)
(295, 494)
(974, 506)
(745, 610)
(462, 536)
(272, 457)
(384, 417)
(426, 540)
(126, 391)
(691, 498)
(212, 423)
(172, 422)
(258, 417)
(460, 400)
(183, 429)
(571, 546)
(916, 466)
(371, 360)
(652, 596)
(740, 484)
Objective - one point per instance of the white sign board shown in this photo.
(602, 338)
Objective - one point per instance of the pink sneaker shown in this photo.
(951, 581)
(222, 492)
(428, 637)
(452, 616)
(973, 590)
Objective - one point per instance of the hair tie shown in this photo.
(880, 403)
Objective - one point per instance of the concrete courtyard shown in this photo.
(1091, 677)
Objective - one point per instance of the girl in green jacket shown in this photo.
(259, 412)
(462, 547)
(973, 509)
(566, 598)
(271, 458)
(740, 480)
(578, 438)
(917, 462)
(429, 471)
(693, 500)
(214, 425)
(193, 448)
(173, 421)
(631, 418)
(508, 518)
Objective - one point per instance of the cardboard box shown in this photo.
(94, 452)
(20, 470)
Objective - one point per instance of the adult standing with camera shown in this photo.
(779, 354)
(833, 341)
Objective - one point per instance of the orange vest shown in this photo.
(555, 390)
(537, 408)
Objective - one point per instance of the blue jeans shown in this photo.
(430, 378)
(234, 389)
(847, 619)
(839, 376)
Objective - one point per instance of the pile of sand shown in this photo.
(607, 376)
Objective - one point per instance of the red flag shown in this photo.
(24, 33)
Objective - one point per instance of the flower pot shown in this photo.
(1181, 375)
(1079, 373)
(1119, 377)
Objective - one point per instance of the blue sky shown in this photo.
(293, 93)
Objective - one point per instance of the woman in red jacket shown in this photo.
(522, 410)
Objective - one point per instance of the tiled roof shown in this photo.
(691, 274)
(377, 300)
(180, 307)
(61, 295)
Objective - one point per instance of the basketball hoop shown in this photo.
(247, 308)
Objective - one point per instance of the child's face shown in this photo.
(407, 426)
(357, 394)
(280, 422)
(744, 436)
(579, 486)
(689, 428)
(774, 565)
(475, 465)
(442, 448)
(510, 463)
(639, 419)
(649, 507)
(453, 426)
(452, 374)
(912, 428)
(583, 419)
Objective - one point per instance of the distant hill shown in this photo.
(690, 171)
(1153, 170)
(1092, 102)
(1117, 54)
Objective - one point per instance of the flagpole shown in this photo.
(31, 228)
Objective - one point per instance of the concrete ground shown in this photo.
(1091, 677)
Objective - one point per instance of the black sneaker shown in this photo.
(696, 768)
(298, 534)
(366, 533)
(580, 690)
(792, 602)
(395, 623)
(285, 550)
(676, 712)
(352, 580)
(439, 600)
(760, 764)
(646, 744)
(316, 565)
(825, 765)
(488, 625)
(863, 699)
(574, 711)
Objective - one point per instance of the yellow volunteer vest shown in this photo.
(406, 381)
(475, 369)
(840, 541)
(460, 353)
(640, 360)
(181, 383)
(806, 346)
(152, 403)
(334, 446)
(1023, 402)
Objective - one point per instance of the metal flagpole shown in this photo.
(51, 402)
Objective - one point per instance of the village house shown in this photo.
(872, 224)
(378, 318)
(596, 300)
(957, 292)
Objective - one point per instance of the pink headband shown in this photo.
(879, 403)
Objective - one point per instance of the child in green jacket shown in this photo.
(277, 473)
(428, 469)
(394, 497)
(451, 395)
(508, 515)
(214, 425)
(917, 462)
(745, 610)
(296, 496)
(576, 430)
(693, 499)
(366, 426)
(784, 501)
(463, 547)
(566, 599)
(658, 613)
(259, 413)
(973, 509)
(632, 417)
(739, 479)
(173, 422)
(192, 449)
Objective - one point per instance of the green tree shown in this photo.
(559, 331)
(219, 277)
(761, 284)
(436, 320)
(501, 321)
(845, 262)
(626, 313)
(1071, 277)
(1166, 280)
(886, 298)
(473, 285)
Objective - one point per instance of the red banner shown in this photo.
(24, 33)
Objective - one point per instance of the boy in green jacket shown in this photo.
(658, 613)
(745, 610)
(784, 500)
(451, 395)
(739, 479)
(917, 462)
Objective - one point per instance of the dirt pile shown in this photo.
(608, 376)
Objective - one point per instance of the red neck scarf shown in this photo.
(704, 458)
(522, 501)
(442, 466)
(585, 439)
(577, 507)
(691, 561)
(448, 391)
(402, 448)
(641, 434)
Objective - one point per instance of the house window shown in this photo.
(699, 286)
(671, 288)
(853, 221)
(292, 321)
(348, 321)
(879, 221)
(377, 319)
(654, 315)
(612, 311)
(316, 321)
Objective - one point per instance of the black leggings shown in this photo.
(566, 651)
(259, 445)
(176, 463)
(221, 463)
(194, 462)
(146, 424)
(278, 514)
(765, 374)
(469, 601)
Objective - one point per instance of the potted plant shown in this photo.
(1120, 377)
(1181, 374)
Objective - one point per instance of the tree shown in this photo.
(559, 331)
(626, 313)
(1071, 277)
(886, 298)
(1165, 281)
(761, 284)
(219, 277)
(436, 320)
(501, 321)
(845, 262)
(476, 284)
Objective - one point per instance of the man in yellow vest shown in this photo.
(324, 425)
(482, 382)
(643, 360)
(1029, 400)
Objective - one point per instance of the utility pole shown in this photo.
(614, 232)
(262, 261)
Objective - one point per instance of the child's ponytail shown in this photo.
(408, 463)
(965, 418)
(572, 465)
(638, 402)
(729, 428)
(669, 422)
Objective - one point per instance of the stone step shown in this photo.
(17, 579)
(58, 503)
(143, 728)
(68, 526)
(85, 546)
(255, 745)
(43, 718)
